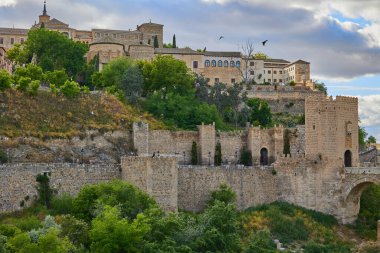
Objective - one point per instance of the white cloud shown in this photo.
(6, 3)
(369, 113)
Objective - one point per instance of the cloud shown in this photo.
(369, 108)
(7, 3)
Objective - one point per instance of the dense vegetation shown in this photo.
(117, 217)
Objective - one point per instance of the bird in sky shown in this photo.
(221, 37)
(264, 42)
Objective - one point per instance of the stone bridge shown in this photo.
(355, 182)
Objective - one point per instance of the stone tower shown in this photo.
(206, 144)
(331, 129)
(150, 30)
(44, 17)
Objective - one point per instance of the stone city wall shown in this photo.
(18, 181)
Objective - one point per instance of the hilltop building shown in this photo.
(224, 67)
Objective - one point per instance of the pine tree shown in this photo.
(194, 154)
(174, 42)
(156, 45)
(218, 155)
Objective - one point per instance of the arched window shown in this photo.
(207, 63)
(226, 63)
(232, 64)
(220, 63)
(238, 64)
(264, 157)
(348, 159)
(213, 63)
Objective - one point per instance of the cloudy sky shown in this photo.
(341, 38)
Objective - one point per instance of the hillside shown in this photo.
(47, 115)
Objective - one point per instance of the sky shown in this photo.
(340, 38)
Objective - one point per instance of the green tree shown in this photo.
(362, 136)
(5, 80)
(113, 73)
(18, 55)
(286, 149)
(246, 157)
(31, 71)
(174, 42)
(369, 213)
(155, 44)
(224, 194)
(128, 198)
(70, 89)
(23, 83)
(260, 112)
(321, 87)
(77, 231)
(52, 51)
(111, 233)
(218, 154)
(194, 154)
(132, 84)
(45, 192)
(33, 87)
(260, 55)
(56, 77)
(371, 140)
(167, 74)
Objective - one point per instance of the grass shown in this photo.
(50, 116)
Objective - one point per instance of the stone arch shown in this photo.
(348, 158)
(351, 197)
(264, 156)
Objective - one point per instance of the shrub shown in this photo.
(70, 89)
(23, 83)
(224, 194)
(3, 157)
(218, 154)
(62, 204)
(246, 157)
(33, 88)
(5, 80)
(194, 154)
(76, 230)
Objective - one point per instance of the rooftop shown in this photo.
(15, 31)
(222, 54)
(175, 51)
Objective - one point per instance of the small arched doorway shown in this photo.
(264, 157)
(347, 158)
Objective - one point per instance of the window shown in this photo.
(213, 63)
(252, 72)
(238, 64)
(195, 64)
(275, 80)
(232, 64)
(12, 41)
(233, 80)
(220, 63)
(1, 40)
(226, 64)
(280, 72)
(22, 40)
(269, 71)
(216, 80)
(252, 63)
(274, 72)
(207, 63)
(114, 36)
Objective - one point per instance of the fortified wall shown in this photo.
(18, 181)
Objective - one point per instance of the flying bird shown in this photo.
(221, 37)
(264, 42)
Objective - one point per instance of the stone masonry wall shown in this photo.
(18, 181)
(252, 185)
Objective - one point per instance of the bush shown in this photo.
(3, 157)
(23, 83)
(218, 155)
(5, 80)
(76, 230)
(62, 204)
(70, 89)
(194, 154)
(224, 194)
(246, 157)
(33, 88)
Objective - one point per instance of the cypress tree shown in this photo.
(286, 150)
(156, 45)
(174, 42)
(218, 155)
(194, 154)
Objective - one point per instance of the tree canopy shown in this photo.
(51, 51)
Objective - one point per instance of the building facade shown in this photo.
(4, 62)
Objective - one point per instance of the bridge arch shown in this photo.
(351, 197)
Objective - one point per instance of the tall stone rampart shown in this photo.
(18, 181)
